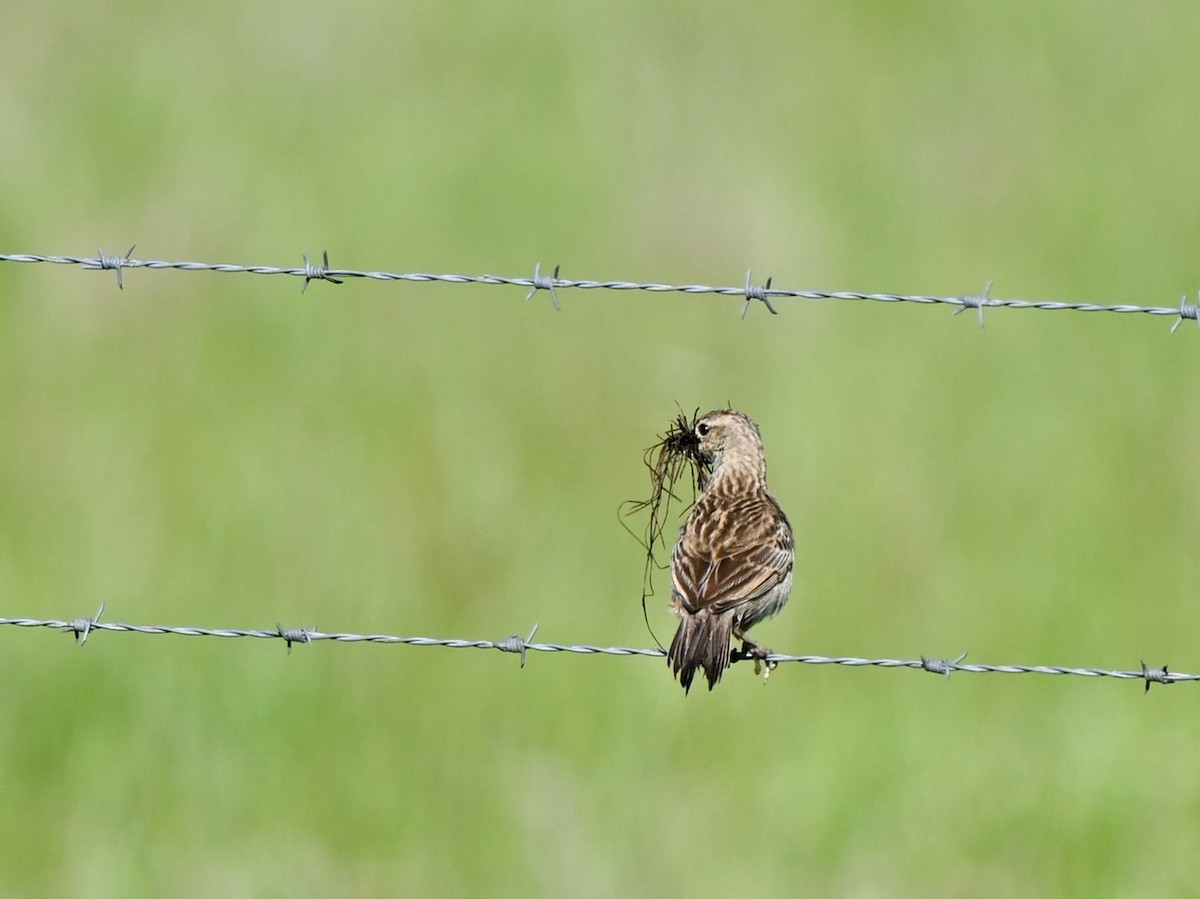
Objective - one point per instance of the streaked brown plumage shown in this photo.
(732, 564)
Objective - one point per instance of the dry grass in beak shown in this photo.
(677, 450)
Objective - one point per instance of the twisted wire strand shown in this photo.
(553, 284)
(82, 628)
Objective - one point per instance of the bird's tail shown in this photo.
(702, 641)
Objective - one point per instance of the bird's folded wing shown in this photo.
(720, 583)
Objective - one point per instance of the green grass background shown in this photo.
(222, 451)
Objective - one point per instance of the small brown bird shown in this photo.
(732, 565)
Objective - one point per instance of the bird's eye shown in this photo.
(703, 428)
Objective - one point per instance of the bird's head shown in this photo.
(728, 438)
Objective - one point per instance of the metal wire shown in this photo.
(82, 628)
(749, 291)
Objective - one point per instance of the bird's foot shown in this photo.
(759, 653)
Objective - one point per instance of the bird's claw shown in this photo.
(752, 650)
(764, 667)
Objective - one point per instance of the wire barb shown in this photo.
(541, 282)
(1156, 676)
(515, 643)
(941, 666)
(292, 635)
(81, 627)
(313, 272)
(103, 261)
(1186, 311)
(972, 301)
(759, 292)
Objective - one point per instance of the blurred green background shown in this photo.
(222, 451)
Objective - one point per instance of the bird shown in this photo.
(732, 564)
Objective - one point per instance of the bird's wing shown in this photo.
(708, 578)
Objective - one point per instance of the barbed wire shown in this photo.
(83, 627)
(552, 284)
